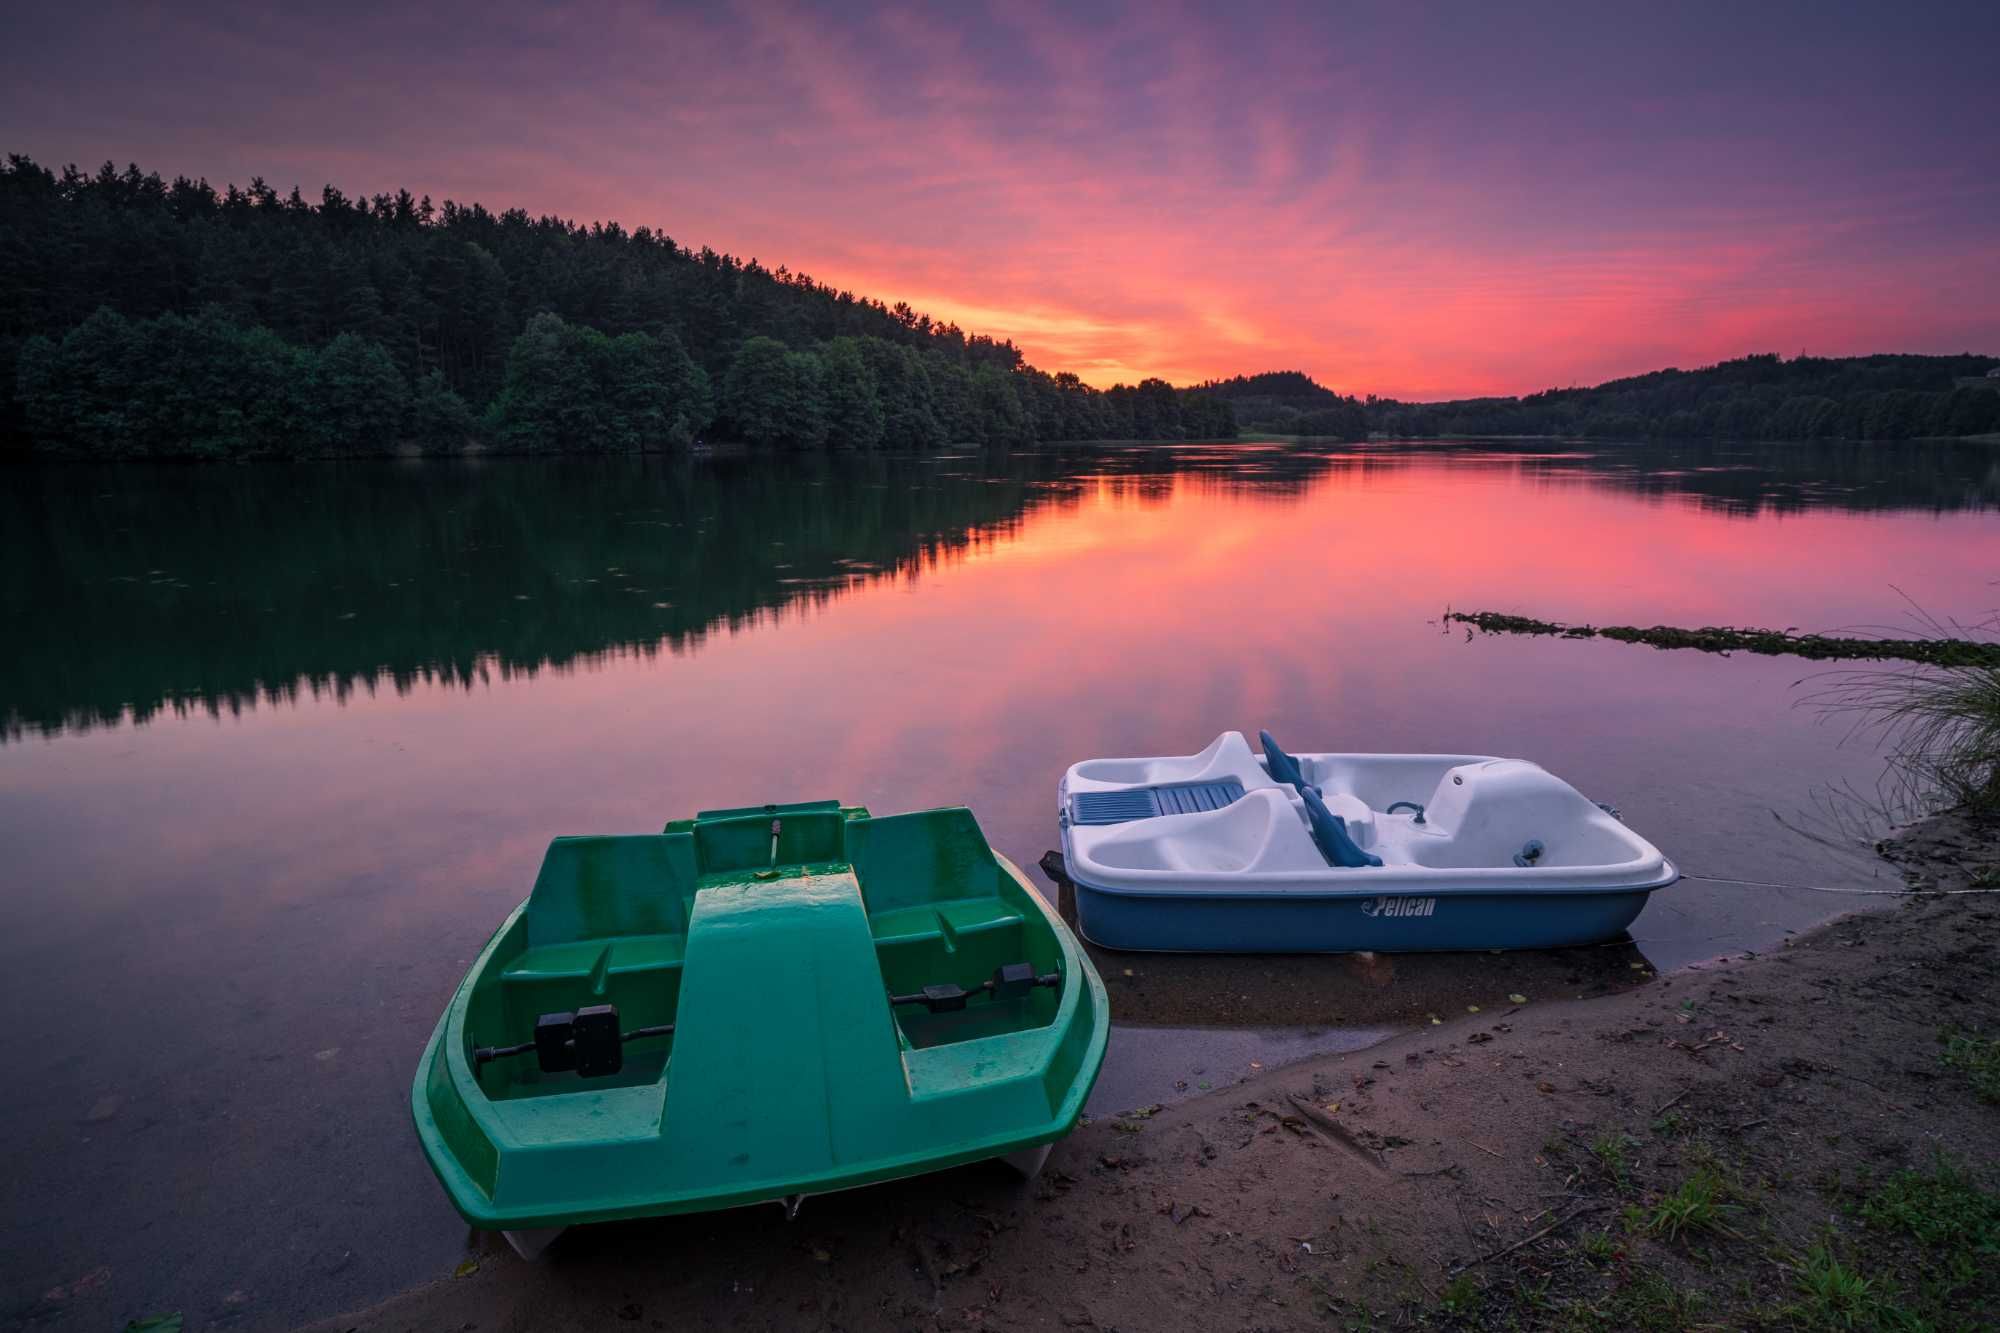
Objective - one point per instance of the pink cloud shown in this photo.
(1394, 202)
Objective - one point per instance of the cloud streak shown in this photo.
(1414, 202)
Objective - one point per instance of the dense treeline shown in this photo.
(1289, 402)
(1755, 397)
(146, 317)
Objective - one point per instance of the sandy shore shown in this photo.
(1733, 1146)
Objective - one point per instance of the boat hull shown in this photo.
(788, 1075)
(1225, 851)
(1233, 921)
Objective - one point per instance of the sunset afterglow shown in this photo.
(1453, 202)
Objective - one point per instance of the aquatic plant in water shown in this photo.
(1938, 723)
(1938, 649)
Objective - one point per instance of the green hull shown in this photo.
(788, 1071)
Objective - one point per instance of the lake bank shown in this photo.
(1463, 1173)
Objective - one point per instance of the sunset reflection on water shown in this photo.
(284, 745)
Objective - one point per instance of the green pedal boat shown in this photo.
(756, 1005)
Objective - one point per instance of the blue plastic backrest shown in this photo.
(1330, 833)
(1186, 798)
(1283, 767)
(1113, 807)
(1129, 803)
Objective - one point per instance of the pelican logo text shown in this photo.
(1400, 907)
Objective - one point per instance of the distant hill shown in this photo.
(1763, 397)
(1884, 397)
(1290, 402)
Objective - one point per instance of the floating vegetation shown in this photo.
(1939, 720)
(1936, 651)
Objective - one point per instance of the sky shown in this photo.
(1415, 200)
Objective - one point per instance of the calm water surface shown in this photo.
(280, 746)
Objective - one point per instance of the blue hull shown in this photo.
(1239, 922)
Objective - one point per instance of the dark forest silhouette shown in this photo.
(141, 318)
(147, 318)
(1751, 398)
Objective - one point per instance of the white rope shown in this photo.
(1824, 888)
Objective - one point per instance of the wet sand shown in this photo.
(1186, 1024)
(1471, 1172)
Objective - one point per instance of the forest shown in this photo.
(146, 318)
(1289, 402)
(1752, 398)
(142, 318)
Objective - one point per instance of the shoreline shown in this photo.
(1499, 1165)
(405, 452)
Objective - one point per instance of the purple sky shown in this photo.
(1424, 201)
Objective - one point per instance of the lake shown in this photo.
(281, 745)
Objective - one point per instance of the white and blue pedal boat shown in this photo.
(1228, 851)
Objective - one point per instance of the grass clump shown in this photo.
(1647, 1303)
(1939, 723)
(1601, 1248)
(1943, 1208)
(1460, 1295)
(1946, 1283)
(1834, 1296)
(1977, 1057)
(1613, 1152)
(1699, 1205)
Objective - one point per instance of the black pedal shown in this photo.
(553, 1048)
(600, 1049)
(1011, 981)
(945, 999)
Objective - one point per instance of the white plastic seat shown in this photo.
(1482, 814)
(1227, 756)
(1354, 812)
(1260, 833)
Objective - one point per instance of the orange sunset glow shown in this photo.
(1422, 204)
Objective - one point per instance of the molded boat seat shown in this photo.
(906, 924)
(1261, 832)
(581, 959)
(1227, 756)
(1353, 812)
(951, 919)
(1329, 833)
(970, 916)
(1483, 814)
